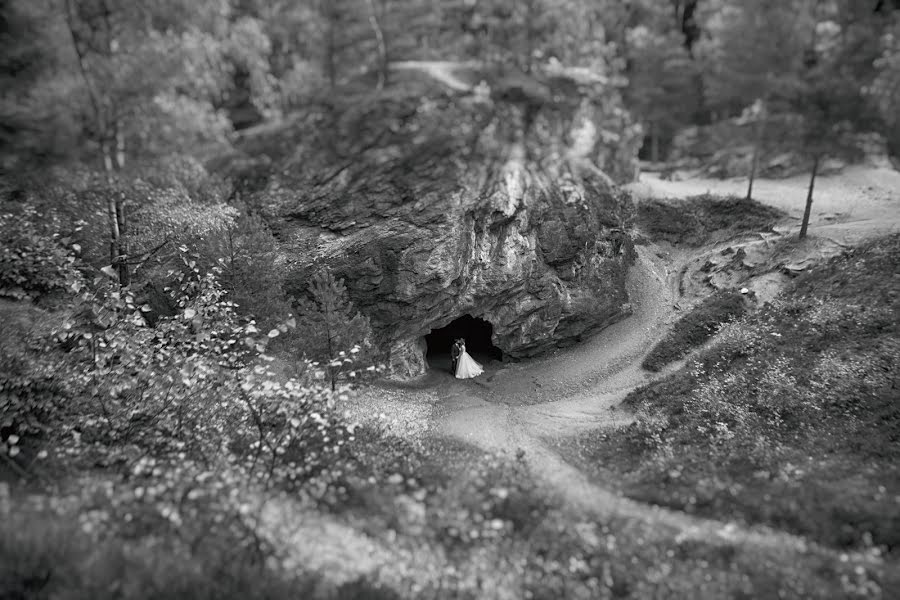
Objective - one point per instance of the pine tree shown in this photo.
(245, 252)
(330, 327)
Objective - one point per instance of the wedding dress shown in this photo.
(467, 367)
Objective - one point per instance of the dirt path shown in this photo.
(575, 389)
(516, 411)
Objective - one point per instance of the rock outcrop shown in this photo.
(446, 206)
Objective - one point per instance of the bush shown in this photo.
(695, 328)
(31, 393)
(35, 259)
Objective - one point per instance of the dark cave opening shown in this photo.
(477, 333)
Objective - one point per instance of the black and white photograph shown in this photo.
(449, 299)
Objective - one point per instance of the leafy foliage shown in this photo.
(35, 259)
(185, 408)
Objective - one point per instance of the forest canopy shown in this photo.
(136, 80)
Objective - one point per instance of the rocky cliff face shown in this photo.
(451, 206)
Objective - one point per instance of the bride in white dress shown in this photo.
(467, 368)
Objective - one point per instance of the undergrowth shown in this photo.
(790, 419)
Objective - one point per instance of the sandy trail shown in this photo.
(859, 203)
(574, 390)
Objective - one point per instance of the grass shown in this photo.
(695, 328)
(699, 220)
(791, 419)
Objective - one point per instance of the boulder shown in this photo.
(433, 207)
(544, 266)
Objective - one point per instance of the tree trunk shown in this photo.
(113, 228)
(123, 268)
(382, 46)
(120, 146)
(328, 338)
(111, 137)
(529, 34)
(809, 198)
(757, 149)
(113, 150)
(330, 51)
(654, 143)
(121, 214)
(752, 173)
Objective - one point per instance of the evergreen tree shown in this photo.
(662, 93)
(245, 252)
(330, 328)
(832, 106)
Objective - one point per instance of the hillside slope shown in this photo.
(790, 419)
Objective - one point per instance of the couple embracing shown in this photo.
(463, 365)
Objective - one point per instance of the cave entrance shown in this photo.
(477, 333)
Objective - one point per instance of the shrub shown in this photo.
(35, 259)
(246, 253)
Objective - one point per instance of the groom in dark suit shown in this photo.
(455, 351)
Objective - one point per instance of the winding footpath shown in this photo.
(592, 380)
(524, 406)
